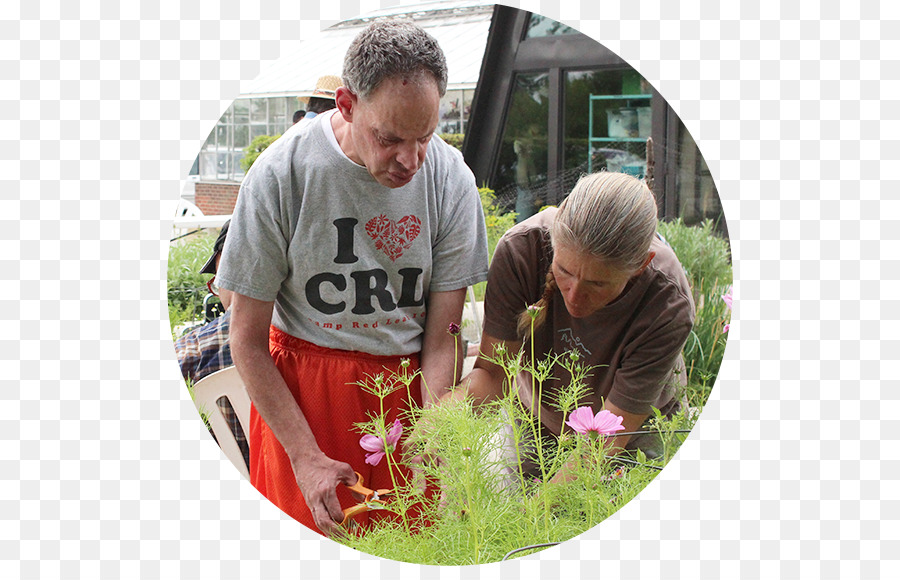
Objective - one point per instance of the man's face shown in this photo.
(392, 127)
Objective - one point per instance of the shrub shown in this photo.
(496, 221)
(257, 146)
(706, 259)
(454, 139)
(186, 286)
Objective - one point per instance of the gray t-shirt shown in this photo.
(635, 342)
(350, 263)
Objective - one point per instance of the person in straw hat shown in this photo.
(321, 98)
(350, 250)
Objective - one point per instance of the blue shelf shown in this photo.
(592, 139)
(619, 139)
(618, 97)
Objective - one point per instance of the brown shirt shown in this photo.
(635, 342)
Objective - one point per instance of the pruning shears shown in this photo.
(373, 499)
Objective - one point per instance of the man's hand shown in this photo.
(318, 478)
(316, 474)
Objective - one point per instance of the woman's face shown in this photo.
(586, 282)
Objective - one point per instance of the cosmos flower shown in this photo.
(727, 299)
(534, 310)
(378, 447)
(583, 421)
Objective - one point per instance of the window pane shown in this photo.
(241, 111)
(276, 111)
(258, 110)
(521, 174)
(210, 140)
(208, 165)
(696, 195)
(468, 96)
(223, 169)
(539, 26)
(257, 130)
(241, 136)
(222, 136)
(236, 164)
(451, 113)
(619, 103)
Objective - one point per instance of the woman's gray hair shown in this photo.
(392, 48)
(608, 215)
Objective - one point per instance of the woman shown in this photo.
(605, 285)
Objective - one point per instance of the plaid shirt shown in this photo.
(204, 350)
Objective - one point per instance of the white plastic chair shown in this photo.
(225, 383)
(472, 305)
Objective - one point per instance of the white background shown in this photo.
(105, 470)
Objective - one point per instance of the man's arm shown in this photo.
(317, 475)
(441, 352)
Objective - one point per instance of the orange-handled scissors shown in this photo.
(373, 499)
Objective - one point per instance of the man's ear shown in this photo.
(345, 101)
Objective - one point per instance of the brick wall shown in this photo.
(216, 197)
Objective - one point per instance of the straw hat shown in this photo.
(325, 88)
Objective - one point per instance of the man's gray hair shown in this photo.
(392, 48)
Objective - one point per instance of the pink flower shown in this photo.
(453, 329)
(583, 421)
(378, 447)
(727, 299)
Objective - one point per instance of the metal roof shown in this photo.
(460, 27)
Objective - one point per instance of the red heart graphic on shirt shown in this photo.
(393, 237)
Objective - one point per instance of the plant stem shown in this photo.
(455, 358)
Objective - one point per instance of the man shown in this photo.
(205, 349)
(351, 246)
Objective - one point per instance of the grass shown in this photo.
(706, 259)
(186, 285)
(487, 507)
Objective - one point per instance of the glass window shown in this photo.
(696, 196)
(208, 164)
(241, 136)
(223, 168)
(238, 170)
(222, 136)
(211, 139)
(276, 116)
(617, 102)
(257, 130)
(451, 113)
(521, 177)
(539, 26)
(468, 97)
(241, 109)
(291, 104)
(258, 111)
